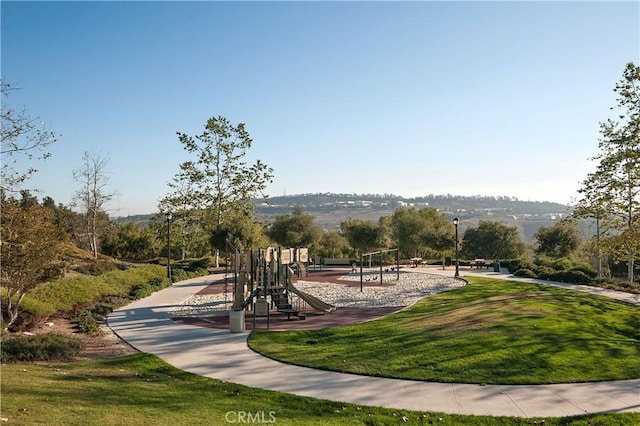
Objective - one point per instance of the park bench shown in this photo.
(480, 263)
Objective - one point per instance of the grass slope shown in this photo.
(143, 390)
(490, 331)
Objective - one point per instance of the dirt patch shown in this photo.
(105, 344)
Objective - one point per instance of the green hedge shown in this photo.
(561, 270)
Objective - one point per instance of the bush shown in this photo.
(106, 305)
(525, 273)
(45, 347)
(562, 264)
(140, 291)
(86, 323)
(571, 277)
(200, 264)
(100, 267)
(587, 270)
(517, 264)
(544, 272)
(122, 281)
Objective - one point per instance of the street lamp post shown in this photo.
(455, 223)
(168, 216)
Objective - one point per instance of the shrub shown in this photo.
(99, 267)
(200, 264)
(106, 305)
(45, 347)
(525, 273)
(86, 323)
(572, 277)
(587, 270)
(544, 272)
(517, 264)
(562, 264)
(140, 291)
(122, 281)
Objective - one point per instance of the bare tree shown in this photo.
(93, 194)
(22, 138)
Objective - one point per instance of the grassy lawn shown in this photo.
(491, 331)
(143, 390)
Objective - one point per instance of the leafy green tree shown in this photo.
(130, 241)
(364, 236)
(333, 244)
(439, 237)
(424, 232)
(613, 190)
(558, 240)
(492, 240)
(219, 180)
(242, 230)
(297, 229)
(29, 242)
(22, 139)
(407, 225)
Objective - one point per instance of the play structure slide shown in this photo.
(312, 301)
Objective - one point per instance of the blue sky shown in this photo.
(409, 98)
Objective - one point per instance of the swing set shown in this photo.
(381, 253)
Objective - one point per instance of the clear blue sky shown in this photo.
(409, 98)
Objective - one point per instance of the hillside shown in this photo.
(330, 209)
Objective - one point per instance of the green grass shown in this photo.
(490, 331)
(142, 390)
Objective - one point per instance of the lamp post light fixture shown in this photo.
(455, 223)
(168, 216)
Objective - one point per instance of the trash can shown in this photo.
(496, 265)
(236, 321)
(262, 307)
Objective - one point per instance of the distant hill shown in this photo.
(330, 209)
(441, 202)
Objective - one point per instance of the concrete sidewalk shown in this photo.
(145, 324)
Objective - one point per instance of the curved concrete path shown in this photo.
(146, 325)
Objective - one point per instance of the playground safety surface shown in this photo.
(314, 319)
(279, 321)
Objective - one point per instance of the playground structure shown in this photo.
(262, 282)
(381, 253)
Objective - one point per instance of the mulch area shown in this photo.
(331, 276)
(314, 319)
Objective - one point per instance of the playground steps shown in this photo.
(280, 299)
